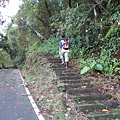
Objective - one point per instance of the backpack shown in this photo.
(66, 44)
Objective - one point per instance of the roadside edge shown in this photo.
(37, 111)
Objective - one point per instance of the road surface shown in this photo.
(14, 101)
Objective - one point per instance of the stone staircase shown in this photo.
(87, 95)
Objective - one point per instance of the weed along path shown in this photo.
(14, 101)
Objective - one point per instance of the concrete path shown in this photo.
(14, 102)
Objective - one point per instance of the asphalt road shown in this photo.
(14, 102)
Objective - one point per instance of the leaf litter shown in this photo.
(42, 81)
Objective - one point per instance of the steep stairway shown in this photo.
(87, 95)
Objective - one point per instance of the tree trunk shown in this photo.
(70, 5)
(47, 8)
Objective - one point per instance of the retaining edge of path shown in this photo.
(37, 111)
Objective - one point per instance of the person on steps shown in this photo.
(64, 49)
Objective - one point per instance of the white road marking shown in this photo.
(40, 117)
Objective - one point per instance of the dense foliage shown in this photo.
(93, 27)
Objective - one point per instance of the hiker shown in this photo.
(64, 49)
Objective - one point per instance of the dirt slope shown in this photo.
(50, 95)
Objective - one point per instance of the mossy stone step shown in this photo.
(66, 74)
(95, 97)
(54, 60)
(98, 106)
(61, 69)
(105, 116)
(57, 66)
(77, 86)
(66, 71)
(83, 91)
(69, 77)
(74, 81)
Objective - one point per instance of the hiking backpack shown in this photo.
(66, 44)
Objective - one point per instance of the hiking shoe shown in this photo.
(62, 63)
(66, 65)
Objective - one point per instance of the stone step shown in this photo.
(62, 69)
(105, 116)
(90, 97)
(57, 61)
(99, 106)
(58, 66)
(83, 91)
(66, 74)
(77, 86)
(70, 77)
(54, 60)
(75, 81)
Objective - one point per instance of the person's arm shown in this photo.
(60, 46)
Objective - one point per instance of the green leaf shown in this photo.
(84, 70)
(117, 70)
(98, 67)
(92, 64)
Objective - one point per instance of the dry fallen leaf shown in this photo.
(33, 82)
(42, 97)
(68, 109)
(84, 87)
(105, 110)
